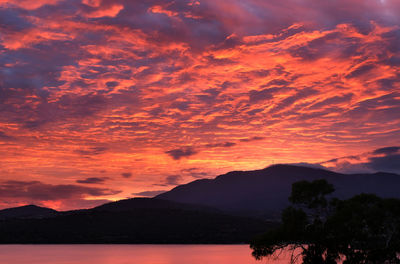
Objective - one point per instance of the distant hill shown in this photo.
(135, 204)
(204, 211)
(265, 192)
(27, 211)
(134, 221)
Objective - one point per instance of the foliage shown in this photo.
(362, 229)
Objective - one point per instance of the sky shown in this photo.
(109, 99)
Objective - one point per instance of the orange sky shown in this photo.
(107, 99)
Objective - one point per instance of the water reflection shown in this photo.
(129, 254)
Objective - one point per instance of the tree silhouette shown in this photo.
(362, 229)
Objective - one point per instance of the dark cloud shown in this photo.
(173, 179)
(82, 106)
(195, 173)
(388, 83)
(112, 84)
(181, 105)
(255, 138)
(289, 101)
(126, 174)
(13, 20)
(360, 71)
(66, 108)
(385, 159)
(221, 145)
(6, 137)
(38, 191)
(387, 150)
(393, 39)
(73, 204)
(394, 60)
(331, 44)
(383, 108)
(263, 95)
(170, 180)
(184, 152)
(33, 70)
(92, 151)
(332, 101)
(278, 82)
(149, 193)
(92, 180)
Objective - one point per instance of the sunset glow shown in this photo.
(108, 99)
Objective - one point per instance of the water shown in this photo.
(129, 254)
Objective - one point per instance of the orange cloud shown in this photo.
(91, 92)
(109, 11)
(160, 10)
(27, 4)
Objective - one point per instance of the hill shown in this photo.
(134, 221)
(265, 192)
(27, 211)
(219, 210)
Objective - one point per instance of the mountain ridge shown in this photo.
(259, 193)
(27, 211)
(265, 192)
(134, 221)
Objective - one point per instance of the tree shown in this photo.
(362, 229)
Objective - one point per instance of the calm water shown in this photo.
(129, 254)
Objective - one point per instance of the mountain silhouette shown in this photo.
(135, 204)
(232, 208)
(27, 211)
(133, 221)
(265, 192)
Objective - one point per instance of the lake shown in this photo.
(129, 254)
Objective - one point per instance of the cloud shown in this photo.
(72, 204)
(361, 70)
(126, 174)
(92, 180)
(169, 180)
(263, 95)
(338, 99)
(6, 137)
(220, 145)
(106, 11)
(387, 150)
(27, 4)
(196, 173)
(179, 153)
(385, 159)
(189, 151)
(92, 85)
(38, 191)
(255, 138)
(149, 193)
(173, 179)
(91, 151)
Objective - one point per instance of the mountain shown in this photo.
(265, 192)
(135, 221)
(204, 211)
(135, 204)
(27, 211)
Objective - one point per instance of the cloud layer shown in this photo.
(385, 159)
(99, 89)
(54, 195)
